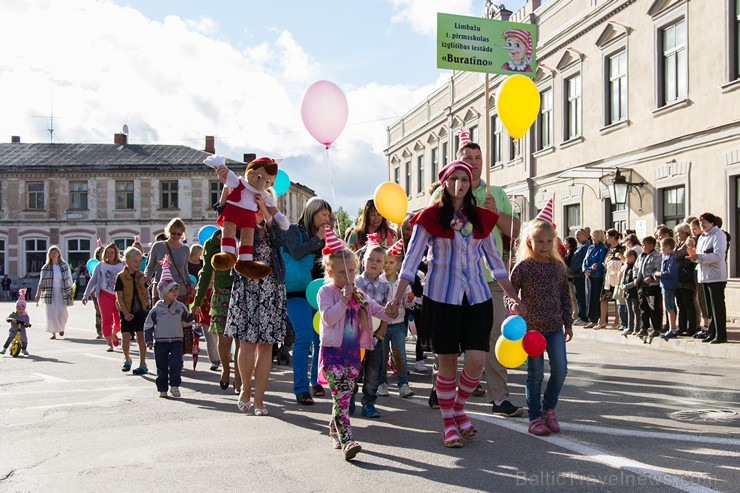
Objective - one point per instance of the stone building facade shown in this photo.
(73, 194)
(648, 87)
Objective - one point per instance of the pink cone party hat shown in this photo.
(333, 244)
(21, 298)
(546, 213)
(166, 282)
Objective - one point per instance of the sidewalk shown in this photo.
(687, 345)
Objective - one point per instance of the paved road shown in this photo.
(634, 419)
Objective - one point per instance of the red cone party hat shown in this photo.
(464, 136)
(546, 213)
(333, 244)
(396, 250)
(373, 240)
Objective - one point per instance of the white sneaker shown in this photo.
(383, 390)
(25, 353)
(405, 391)
(3, 351)
(421, 366)
(175, 391)
(163, 394)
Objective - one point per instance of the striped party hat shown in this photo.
(331, 242)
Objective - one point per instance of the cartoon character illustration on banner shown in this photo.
(519, 46)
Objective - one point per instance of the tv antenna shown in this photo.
(124, 130)
(51, 119)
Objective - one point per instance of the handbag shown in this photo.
(189, 287)
(297, 271)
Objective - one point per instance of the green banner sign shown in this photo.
(475, 44)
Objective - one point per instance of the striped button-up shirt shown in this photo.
(454, 264)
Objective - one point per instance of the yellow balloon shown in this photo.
(362, 354)
(511, 354)
(391, 201)
(517, 104)
(316, 321)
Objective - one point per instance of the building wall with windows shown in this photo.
(71, 195)
(624, 84)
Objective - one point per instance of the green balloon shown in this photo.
(312, 292)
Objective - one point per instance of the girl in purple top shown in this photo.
(540, 277)
(345, 327)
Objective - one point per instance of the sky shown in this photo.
(175, 71)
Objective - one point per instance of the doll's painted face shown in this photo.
(260, 179)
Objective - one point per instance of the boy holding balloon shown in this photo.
(541, 280)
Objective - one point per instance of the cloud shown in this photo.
(421, 15)
(175, 81)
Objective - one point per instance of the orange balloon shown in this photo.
(391, 201)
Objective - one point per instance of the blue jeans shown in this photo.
(579, 286)
(395, 334)
(371, 374)
(301, 315)
(168, 356)
(536, 373)
(622, 309)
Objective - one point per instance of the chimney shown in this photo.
(210, 144)
(502, 15)
(249, 157)
(15, 139)
(120, 139)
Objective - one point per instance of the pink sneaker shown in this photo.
(538, 427)
(551, 421)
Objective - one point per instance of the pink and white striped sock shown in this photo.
(465, 387)
(446, 395)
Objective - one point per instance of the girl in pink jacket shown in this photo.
(345, 327)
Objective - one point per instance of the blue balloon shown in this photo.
(91, 264)
(514, 327)
(282, 183)
(194, 279)
(205, 233)
(312, 292)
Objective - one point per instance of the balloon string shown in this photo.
(334, 198)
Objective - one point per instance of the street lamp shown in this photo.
(620, 188)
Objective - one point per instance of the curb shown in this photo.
(686, 345)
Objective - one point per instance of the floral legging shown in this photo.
(341, 380)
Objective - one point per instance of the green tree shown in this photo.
(344, 220)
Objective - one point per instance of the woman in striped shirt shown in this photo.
(457, 302)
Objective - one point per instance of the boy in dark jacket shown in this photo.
(668, 284)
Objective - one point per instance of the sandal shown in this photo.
(304, 399)
(244, 407)
(318, 390)
(351, 449)
(334, 437)
(142, 370)
(452, 439)
(53, 336)
(126, 366)
(469, 432)
(223, 385)
(261, 412)
(109, 350)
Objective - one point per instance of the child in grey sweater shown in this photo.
(164, 326)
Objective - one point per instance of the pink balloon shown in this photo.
(324, 111)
